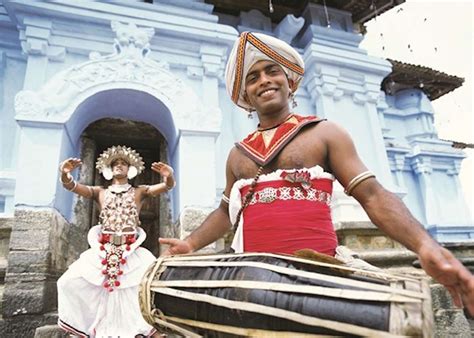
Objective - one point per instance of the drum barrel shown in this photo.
(264, 308)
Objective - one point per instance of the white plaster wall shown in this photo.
(12, 82)
(197, 169)
(38, 152)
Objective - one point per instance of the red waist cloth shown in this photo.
(285, 225)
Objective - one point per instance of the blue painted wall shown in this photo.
(50, 92)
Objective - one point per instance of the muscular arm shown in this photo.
(214, 226)
(391, 215)
(384, 208)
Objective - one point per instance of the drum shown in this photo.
(258, 294)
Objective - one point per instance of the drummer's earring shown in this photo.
(292, 85)
(294, 104)
(249, 110)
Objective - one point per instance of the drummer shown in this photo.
(279, 178)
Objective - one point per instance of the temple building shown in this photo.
(79, 76)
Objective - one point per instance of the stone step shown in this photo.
(449, 320)
(5, 231)
(388, 257)
(3, 268)
(50, 331)
(2, 289)
(451, 323)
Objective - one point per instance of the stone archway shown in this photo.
(69, 101)
(129, 67)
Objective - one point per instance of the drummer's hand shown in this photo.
(176, 246)
(441, 264)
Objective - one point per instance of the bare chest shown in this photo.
(304, 151)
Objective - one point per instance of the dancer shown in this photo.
(98, 294)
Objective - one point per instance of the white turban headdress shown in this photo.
(251, 48)
(104, 162)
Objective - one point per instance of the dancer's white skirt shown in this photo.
(86, 308)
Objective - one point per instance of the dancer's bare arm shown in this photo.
(65, 169)
(167, 173)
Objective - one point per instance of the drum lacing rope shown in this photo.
(156, 316)
(146, 297)
(162, 320)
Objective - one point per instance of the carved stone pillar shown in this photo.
(35, 41)
(423, 169)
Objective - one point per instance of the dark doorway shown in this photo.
(151, 146)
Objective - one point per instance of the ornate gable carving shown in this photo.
(128, 67)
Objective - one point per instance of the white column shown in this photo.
(213, 63)
(37, 168)
(399, 160)
(197, 162)
(422, 167)
(34, 42)
(463, 215)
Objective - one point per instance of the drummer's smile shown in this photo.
(267, 87)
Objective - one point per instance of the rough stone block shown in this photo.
(364, 241)
(167, 232)
(5, 231)
(50, 331)
(451, 323)
(29, 261)
(29, 240)
(24, 298)
(381, 242)
(23, 326)
(2, 290)
(471, 325)
(6, 222)
(449, 320)
(461, 249)
(192, 217)
(3, 267)
(68, 243)
(441, 299)
(363, 236)
(24, 277)
(33, 219)
(357, 226)
(393, 258)
(59, 226)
